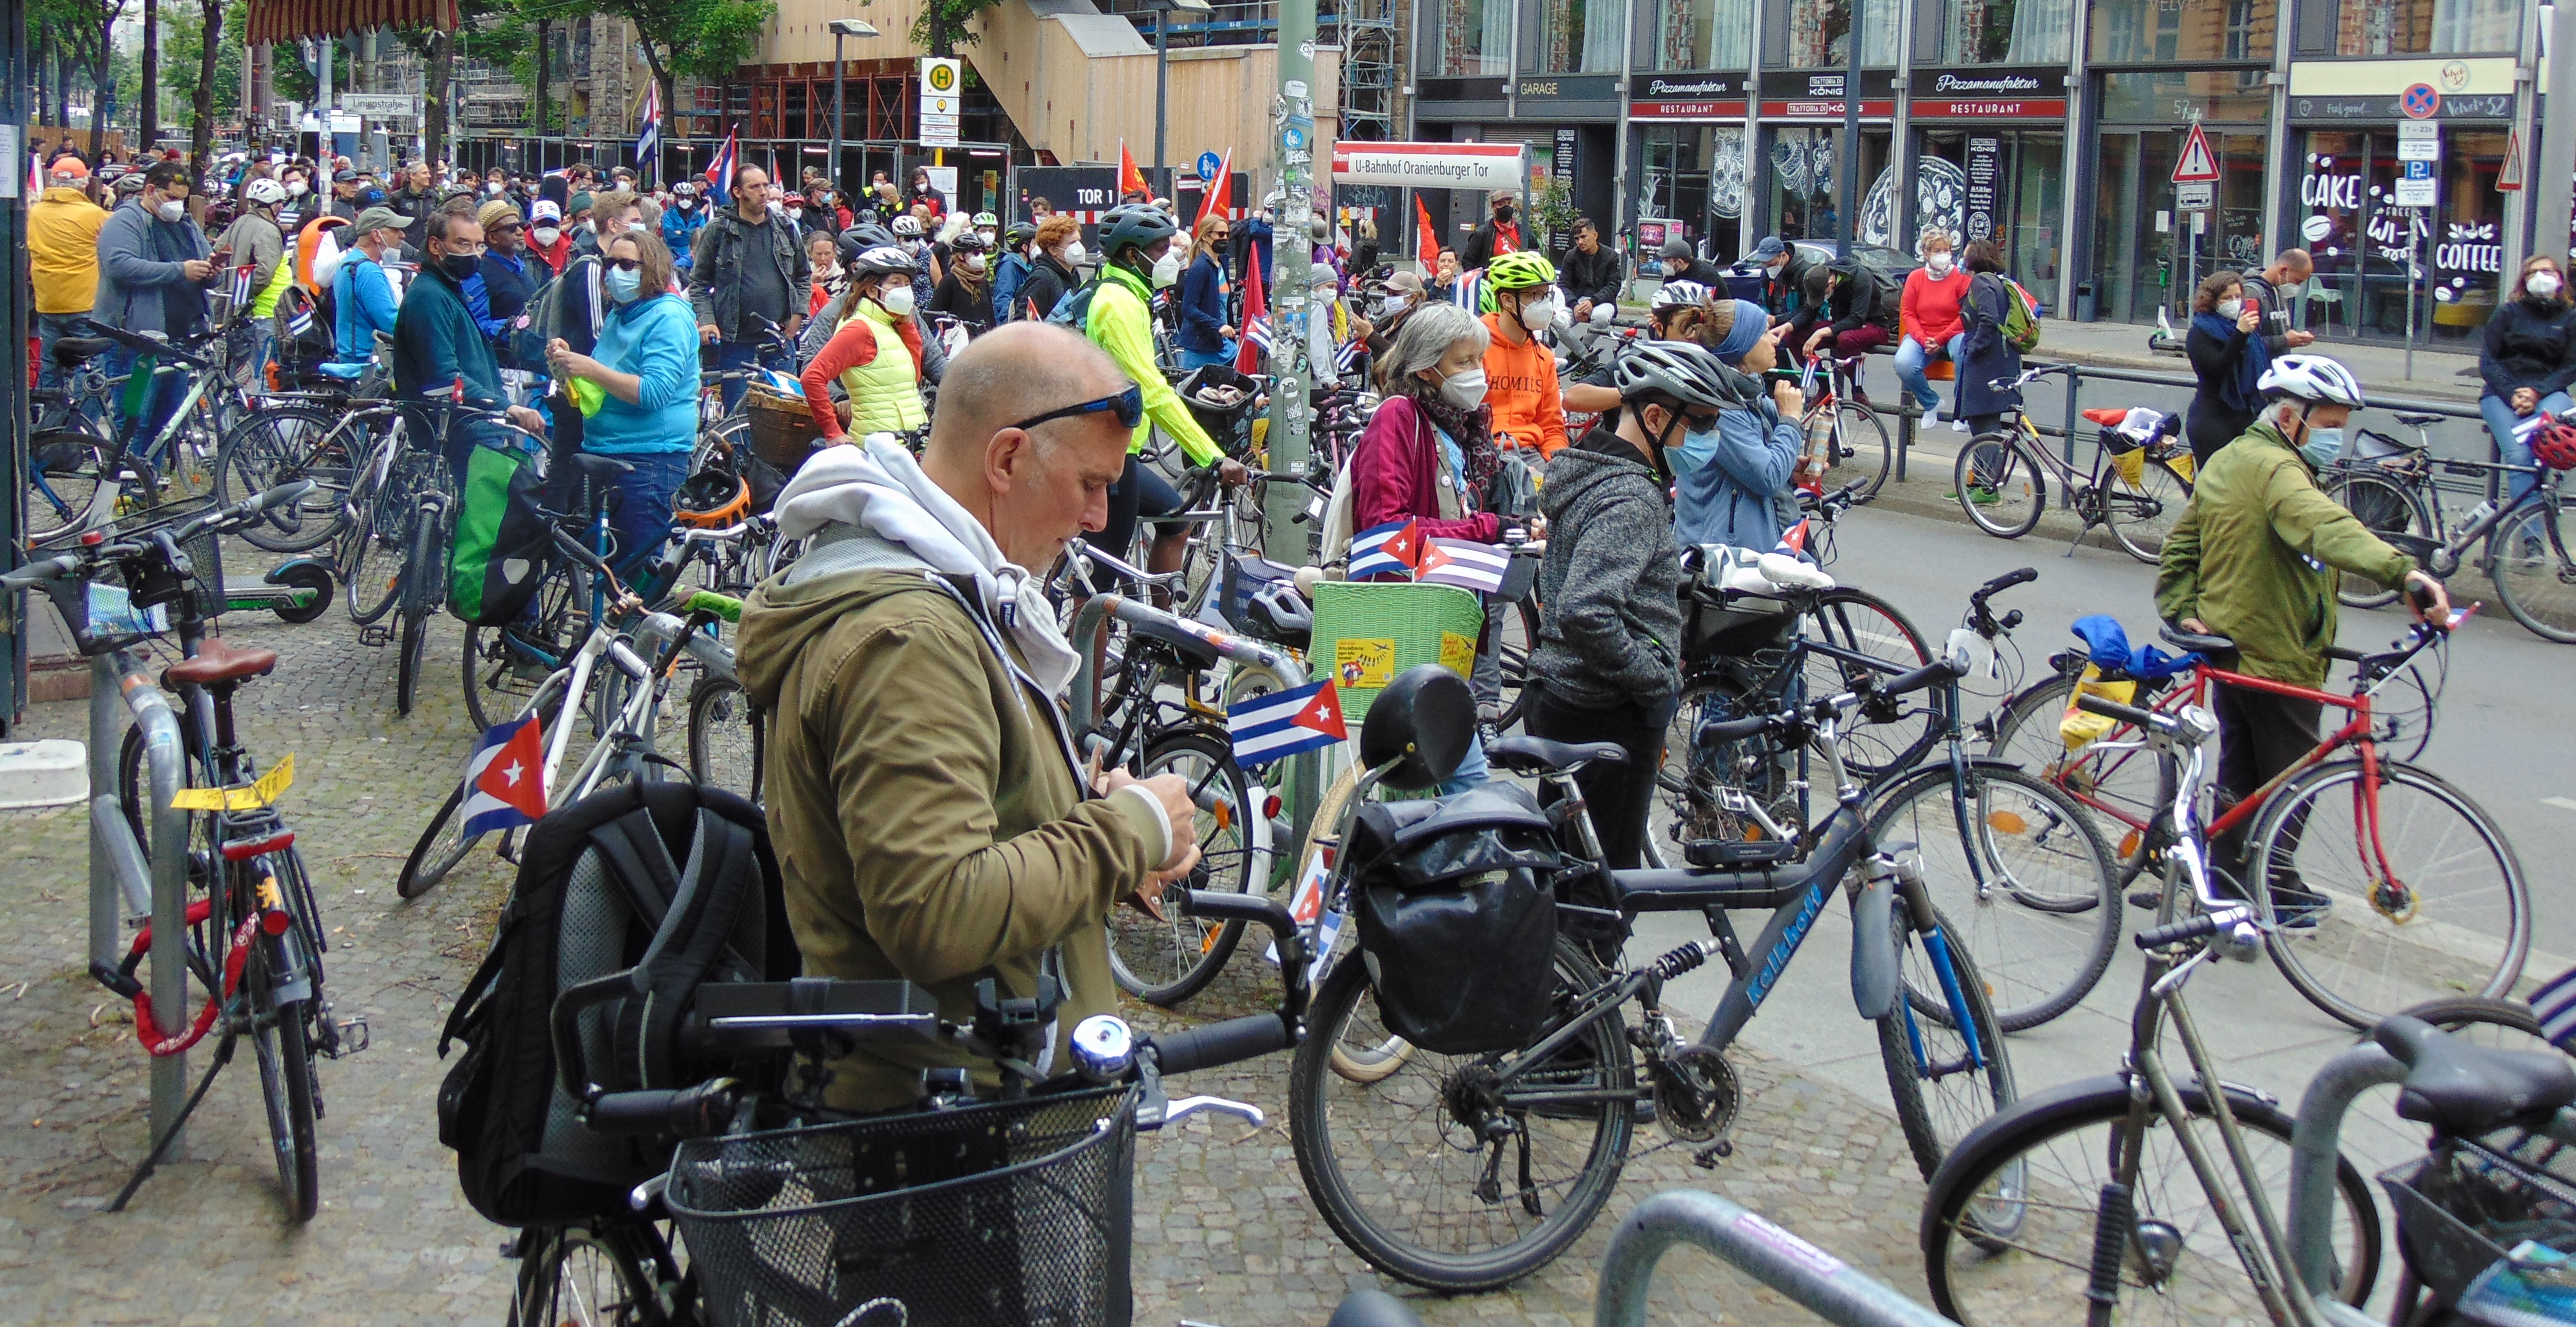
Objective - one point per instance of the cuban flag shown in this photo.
(648, 137)
(1348, 355)
(301, 321)
(720, 171)
(1389, 549)
(1464, 563)
(505, 784)
(1283, 723)
(1470, 285)
(243, 287)
(1793, 541)
(2554, 1004)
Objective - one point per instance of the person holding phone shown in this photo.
(2228, 358)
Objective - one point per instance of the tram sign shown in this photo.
(2197, 164)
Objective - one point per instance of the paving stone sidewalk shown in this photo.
(1224, 1231)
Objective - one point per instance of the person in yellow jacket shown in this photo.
(1134, 239)
(62, 256)
(876, 351)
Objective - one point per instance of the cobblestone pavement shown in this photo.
(1225, 1233)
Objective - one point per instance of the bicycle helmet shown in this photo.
(986, 221)
(2555, 445)
(711, 499)
(1134, 226)
(1019, 234)
(1277, 613)
(1680, 370)
(265, 192)
(968, 241)
(2315, 379)
(907, 227)
(1519, 271)
(1680, 295)
(883, 260)
(869, 235)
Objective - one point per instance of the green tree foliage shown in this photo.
(941, 26)
(183, 49)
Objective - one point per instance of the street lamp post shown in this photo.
(841, 27)
(1163, 11)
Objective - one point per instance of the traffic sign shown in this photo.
(2419, 140)
(2420, 102)
(2416, 188)
(2509, 175)
(1209, 165)
(2195, 196)
(942, 92)
(2197, 163)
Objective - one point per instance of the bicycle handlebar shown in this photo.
(2191, 928)
(2146, 720)
(2019, 576)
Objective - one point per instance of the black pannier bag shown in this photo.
(1457, 921)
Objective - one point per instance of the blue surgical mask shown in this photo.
(1699, 443)
(2322, 447)
(622, 285)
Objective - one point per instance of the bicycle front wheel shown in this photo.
(440, 848)
(2533, 573)
(579, 1276)
(1167, 962)
(2009, 1227)
(1866, 454)
(727, 738)
(1858, 622)
(1397, 1163)
(65, 467)
(2142, 511)
(280, 445)
(286, 1087)
(374, 565)
(1515, 638)
(2388, 508)
(1999, 485)
(2027, 882)
(2410, 891)
(1943, 1081)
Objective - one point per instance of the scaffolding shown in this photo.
(1369, 61)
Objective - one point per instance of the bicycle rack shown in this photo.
(1812, 1278)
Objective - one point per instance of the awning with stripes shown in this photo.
(274, 21)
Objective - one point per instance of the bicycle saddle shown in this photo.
(218, 662)
(73, 351)
(2463, 1090)
(2190, 641)
(343, 372)
(2415, 421)
(1525, 755)
(1373, 1308)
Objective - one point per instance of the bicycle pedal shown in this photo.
(376, 636)
(347, 1039)
(1707, 1157)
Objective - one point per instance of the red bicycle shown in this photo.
(2421, 894)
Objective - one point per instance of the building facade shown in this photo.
(2051, 126)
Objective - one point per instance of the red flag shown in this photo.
(1256, 317)
(1218, 188)
(1426, 237)
(1130, 179)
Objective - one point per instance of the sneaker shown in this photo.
(1983, 497)
(1958, 426)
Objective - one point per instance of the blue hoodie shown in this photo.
(656, 339)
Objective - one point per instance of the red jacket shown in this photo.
(1931, 308)
(1395, 477)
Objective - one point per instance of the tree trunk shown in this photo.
(149, 114)
(201, 135)
(433, 108)
(102, 84)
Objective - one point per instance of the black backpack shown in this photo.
(627, 903)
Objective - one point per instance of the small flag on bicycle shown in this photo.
(1464, 563)
(241, 290)
(1283, 723)
(505, 785)
(1384, 550)
(2554, 1004)
(300, 321)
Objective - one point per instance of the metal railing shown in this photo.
(1813, 1279)
(122, 882)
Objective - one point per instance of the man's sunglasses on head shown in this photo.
(1128, 406)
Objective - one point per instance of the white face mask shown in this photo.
(974, 262)
(1073, 254)
(1539, 314)
(796, 214)
(897, 299)
(2289, 289)
(1464, 389)
(2542, 284)
(1167, 269)
(295, 188)
(170, 209)
(546, 235)
(2231, 309)
(1939, 263)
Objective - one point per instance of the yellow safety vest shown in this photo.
(885, 397)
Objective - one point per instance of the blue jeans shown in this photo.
(733, 355)
(1911, 355)
(1192, 359)
(160, 399)
(642, 521)
(1473, 769)
(52, 327)
(2500, 422)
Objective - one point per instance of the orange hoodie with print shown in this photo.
(1520, 384)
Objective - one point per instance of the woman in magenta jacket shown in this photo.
(1428, 455)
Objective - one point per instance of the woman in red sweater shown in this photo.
(1428, 455)
(1930, 320)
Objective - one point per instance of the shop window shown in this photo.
(1693, 176)
(1815, 34)
(2176, 96)
(2426, 27)
(2365, 245)
(1701, 34)
(2164, 31)
(1806, 180)
(2028, 32)
(1576, 37)
(1473, 38)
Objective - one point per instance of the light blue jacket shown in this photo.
(1730, 477)
(362, 304)
(655, 339)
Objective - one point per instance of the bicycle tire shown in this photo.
(582, 1276)
(1165, 963)
(1515, 639)
(422, 594)
(373, 586)
(2153, 503)
(439, 849)
(503, 669)
(2123, 790)
(1962, 1098)
(2375, 968)
(276, 446)
(728, 738)
(1359, 1064)
(2047, 917)
(1864, 623)
(1345, 1000)
(1861, 432)
(65, 468)
(2527, 558)
(1999, 467)
(286, 1089)
(2388, 508)
(2048, 1154)
(1685, 808)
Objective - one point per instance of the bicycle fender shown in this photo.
(1873, 974)
(284, 573)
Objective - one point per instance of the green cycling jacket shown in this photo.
(1121, 322)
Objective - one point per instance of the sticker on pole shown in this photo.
(2198, 164)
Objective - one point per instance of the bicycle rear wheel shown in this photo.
(2455, 920)
(2001, 487)
(1515, 638)
(279, 445)
(2023, 876)
(439, 849)
(2008, 1230)
(1942, 1086)
(506, 665)
(65, 467)
(1867, 454)
(2142, 511)
(2388, 508)
(1862, 623)
(286, 1087)
(2117, 781)
(728, 739)
(2529, 563)
(424, 564)
(374, 563)
(588, 1276)
(1167, 962)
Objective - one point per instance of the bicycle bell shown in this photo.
(1104, 1048)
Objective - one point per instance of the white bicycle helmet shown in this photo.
(907, 226)
(1680, 295)
(2316, 379)
(265, 192)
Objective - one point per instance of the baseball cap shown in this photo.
(380, 218)
(68, 168)
(371, 196)
(545, 209)
(344, 176)
(1677, 247)
(1769, 248)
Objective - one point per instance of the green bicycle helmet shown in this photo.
(1513, 271)
(1135, 225)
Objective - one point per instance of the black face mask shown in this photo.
(460, 265)
(1502, 214)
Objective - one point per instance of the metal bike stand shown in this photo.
(1812, 1278)
(118, 873)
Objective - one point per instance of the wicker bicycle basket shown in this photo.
(783, 431)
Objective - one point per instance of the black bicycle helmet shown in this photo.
(1134, 225)
(1277, 613)
(1019, 233)
(968, 241)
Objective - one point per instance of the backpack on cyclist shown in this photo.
(304, 326)
(1890, 294)
(2021, 316)
(1457, 916)
(628, 904)
(1074, 310)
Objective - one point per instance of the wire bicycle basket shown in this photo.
(128, 600)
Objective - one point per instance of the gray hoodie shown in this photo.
(1611, 581)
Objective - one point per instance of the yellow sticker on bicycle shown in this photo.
(265, 792)
(1458, 653)
(1364, 662)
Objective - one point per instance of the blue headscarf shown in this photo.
(1751, 321)
(2239, 392)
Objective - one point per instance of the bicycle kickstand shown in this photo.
(152, 1159)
